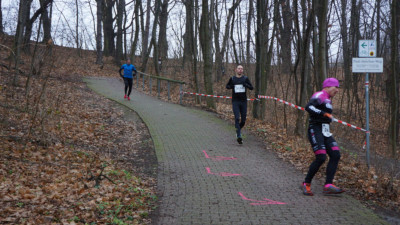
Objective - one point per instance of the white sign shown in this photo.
(366, 48)
(367, 65)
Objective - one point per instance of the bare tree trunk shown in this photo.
(99, 58)
(46, 22)
(285, 30)
(322, 11)
(394, 112)
(137, 29)
(220, 53)
(120, 17)
(189, 30)
(206, 45)
(1, 20)
(304, 58)
(262, 34)
(162, 38)
(18, 38)
(153, 42)
(78, 47)
(145, 32)
(109, 44)
(249, 22)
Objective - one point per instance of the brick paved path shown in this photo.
(205, 177)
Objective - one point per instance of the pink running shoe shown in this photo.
(129, 98)
(125, 96)
(332, 189)
(307, 189)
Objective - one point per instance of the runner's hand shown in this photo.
(328, 115)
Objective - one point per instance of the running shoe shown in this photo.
(239, 140)
(332, 189)
(129, 98)
(125, 96)
(307, 189)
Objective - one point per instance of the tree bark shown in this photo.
(394, 66)
(120, 18)
(162, 38)
(1, 20)
(99, 44)
(189, 31)
(46, 22)
(206, 46)
(137, 29)
(262, 34)
(109, 44)
(321, 7)
(145, 32)
(285, 30)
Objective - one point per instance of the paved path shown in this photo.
(205, 177)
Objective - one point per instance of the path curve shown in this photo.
(205, 177)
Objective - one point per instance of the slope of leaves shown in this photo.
(68, 155)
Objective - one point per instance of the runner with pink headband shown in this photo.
(322, 142)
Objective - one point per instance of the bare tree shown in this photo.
(138, 3)
(46, 21)
(206, 46)
(162, 37)
(108, 28)
(99, 45)
(120, 17)
(263, 55)
(145, 31)
(321, 8)
(220, 50)
(285, 22)
(303, 58)
(1, 20)
(189, 31)
(394, 78)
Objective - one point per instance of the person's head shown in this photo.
(128, 61)
(331, 86)
(239, 70)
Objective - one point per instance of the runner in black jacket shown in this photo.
(320, 109)
(239, 84)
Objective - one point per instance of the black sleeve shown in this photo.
(312, 108)
(120, 72)
(229, 85)
(247, 84)
(135, 72)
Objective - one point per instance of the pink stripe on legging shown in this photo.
(321, 151)
(335, 148)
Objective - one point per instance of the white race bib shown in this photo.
(325, 130)
(239, 88)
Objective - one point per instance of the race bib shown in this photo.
(325, 130)
(239, 88)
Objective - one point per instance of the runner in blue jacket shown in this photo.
(129, 73)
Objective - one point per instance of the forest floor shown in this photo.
(54, 168)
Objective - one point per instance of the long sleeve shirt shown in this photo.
(239, 85)
(319, 104)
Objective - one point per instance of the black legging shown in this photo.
(240, 112)
(322, 145)
(128, 84)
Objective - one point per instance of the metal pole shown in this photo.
(158, 87)
(151, 86)
(169, 96)
(367, 115)
(143, 84)
(180, 94)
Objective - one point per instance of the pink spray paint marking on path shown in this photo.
(218, 158)
(222, 174)
(266, 201)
